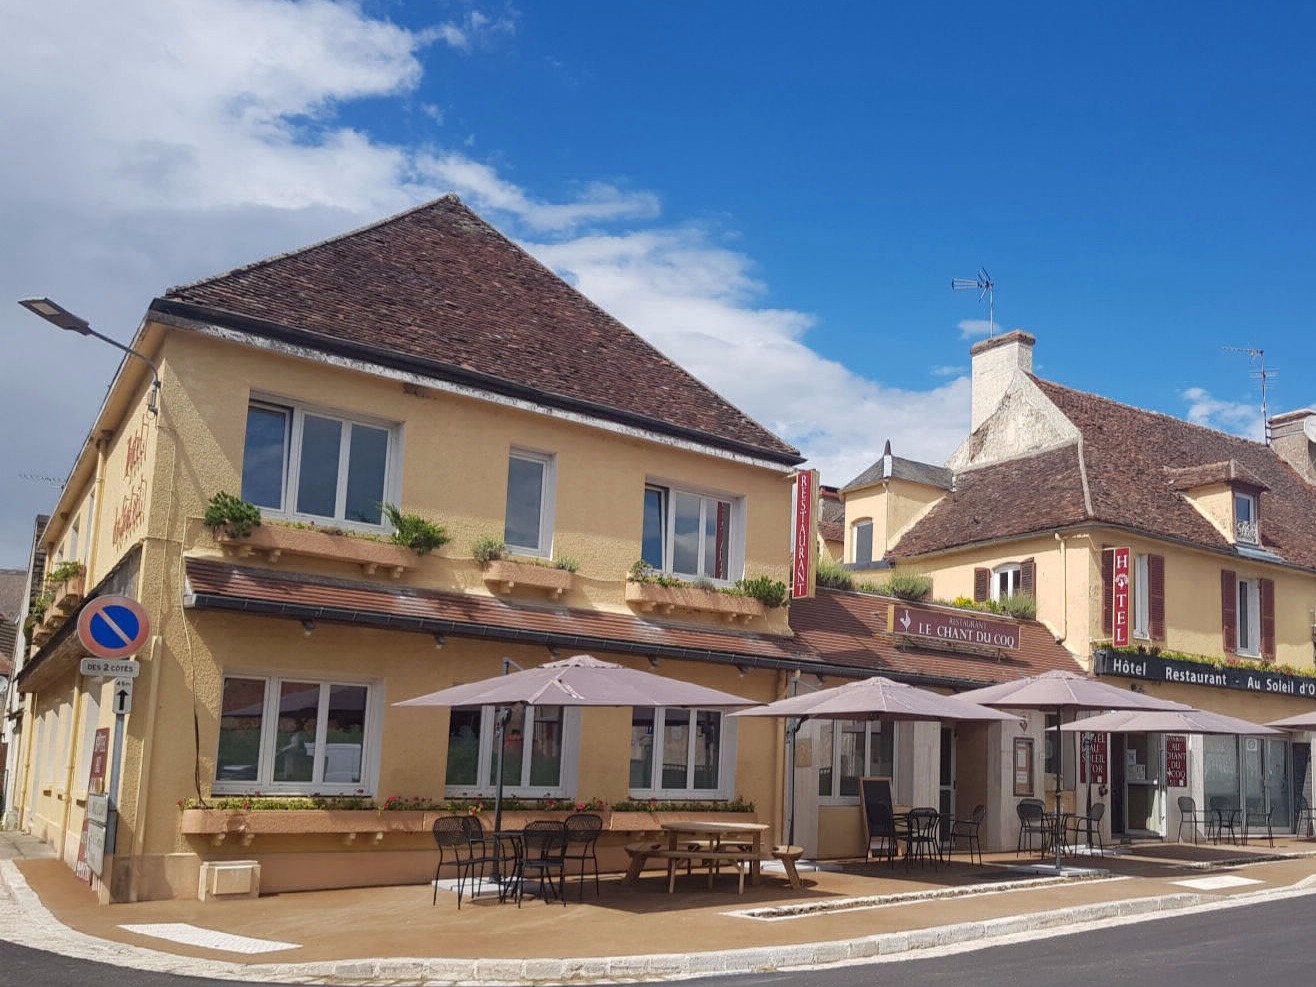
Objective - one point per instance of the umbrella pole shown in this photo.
(500, 727)
(1060, 762)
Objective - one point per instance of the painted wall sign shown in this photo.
(1156, 669)
(1176, 762)
(113, 627)
(1097, 759)
(100, 752)
(953, 626)
(1120, 616)
(130, 511)
(804, 557)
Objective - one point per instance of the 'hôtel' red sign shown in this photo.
(953, 626)
(1120, 615)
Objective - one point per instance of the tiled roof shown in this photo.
(1003, 500)
(850, 629)
(899, 468)
(1229, 471)
(13, 583)
(831, 516)
(440, 290)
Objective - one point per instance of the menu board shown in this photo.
(1176, 762)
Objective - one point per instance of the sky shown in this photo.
(777, 196)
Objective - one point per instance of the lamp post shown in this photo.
(58, 315)
(1087, 773)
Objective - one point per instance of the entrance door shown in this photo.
(1119, 825)
(1266, 778)
(947, 792)
(1143, 797)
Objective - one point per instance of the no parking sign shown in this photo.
(113, 627)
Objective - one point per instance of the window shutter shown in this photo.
(1268, 619)
(1229, 610)
(1028, 577)
(1107, 591)
(1156, 596)
(982, 584)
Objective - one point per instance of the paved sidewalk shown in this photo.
(394, 935)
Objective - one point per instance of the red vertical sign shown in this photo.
(1120, 622)
(804, 556)
(1093, 767)
(1176, 762)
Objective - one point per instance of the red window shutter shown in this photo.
(1229, 610)
(1156, 596)
(982, 584)
(1268, 619)
(1108, 591)
(1028, 577)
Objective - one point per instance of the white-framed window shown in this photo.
(861, 538)
(1007, 580)
(1245, 518)
(528, 529)
(849, 750)
(539, 743)
(304, 462)
(297, 735)
(690, 534)
(1249, 617)
(681, 753)
(91, 528)
(1141, 597)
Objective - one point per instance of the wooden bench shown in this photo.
(642, 853)
(788, 855)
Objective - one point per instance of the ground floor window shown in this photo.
(1255, 774)
(294, 735)
(534, 742)
(678, 753)
(852, 749)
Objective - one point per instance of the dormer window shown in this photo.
(1245, 518)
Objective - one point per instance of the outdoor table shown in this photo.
(509, 839)
(1057, 824)
(718, 831)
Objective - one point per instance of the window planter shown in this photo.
(654, 597)
(67, 596)
(275, 541)
(506, 575)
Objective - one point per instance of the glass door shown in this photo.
(1266, 779)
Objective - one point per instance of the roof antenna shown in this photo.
(1258, 356)
(984, 284)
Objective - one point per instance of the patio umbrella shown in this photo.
(581, 680)
(1302, 721)
(1060, 692)
(876, 698)
(1167, 721)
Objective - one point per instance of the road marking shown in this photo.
(192, 935)
(1216, 883)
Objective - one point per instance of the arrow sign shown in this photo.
(122, 696)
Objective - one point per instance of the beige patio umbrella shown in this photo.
(1302, 721)
(1168, 721)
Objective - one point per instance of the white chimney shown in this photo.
(1293, 437)
(995, 362)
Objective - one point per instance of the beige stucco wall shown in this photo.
(893, 506)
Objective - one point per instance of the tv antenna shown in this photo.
(985, 286)
(37, 478)
(1258, 356)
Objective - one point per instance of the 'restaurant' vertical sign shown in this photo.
(804, 555)
(1120, 621)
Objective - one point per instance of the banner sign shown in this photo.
(804, 556)
(1097, 758)
(1120, 621)
(953, 626)
(1157, 669)
(1176, 762)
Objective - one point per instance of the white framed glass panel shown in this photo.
(537, 741)
(697, 535)
(265, 455)
(1141, 597)
(1249, 617)
(528, 525)
(1006, 581)
(848, 750)
(1245, 517)
(863, 542)
(241, 718)
(653, 549)
(367, 469)
(317, 475)
(679, 753)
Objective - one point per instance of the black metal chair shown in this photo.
(1088, 827)
(583, 829)
(883, 833)
(463, 846)
(969, 831)
(1190, 815)
(1303, 817)
(1032, 823)
(923, 839)
(543, 854)
(1226, 812)
(1257, 811)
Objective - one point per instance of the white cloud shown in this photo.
(152, 144)
(1236, 417)
(974, 328)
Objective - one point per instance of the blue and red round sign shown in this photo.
(113, 627)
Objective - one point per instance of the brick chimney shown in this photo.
(1293, 437)
(995, 362)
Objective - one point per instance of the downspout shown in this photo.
(71, 761)
(143, 774)
(1064, 587)
(94, 522)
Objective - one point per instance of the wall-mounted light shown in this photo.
(307, 627)
(438, 641)
(653, 662)
(552, 651)
(742, 670)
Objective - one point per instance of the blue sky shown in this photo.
(777, 196)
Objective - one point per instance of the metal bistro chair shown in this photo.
(543, 853)
(969, 831)
(883, 833)
(1256, 811)
(1225, 810)
(1032, 823)
(1088, 827)
(464, 847)
(583, 830)
(1190, 815)
(1303, 819)
(923, 841)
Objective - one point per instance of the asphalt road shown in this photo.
(1266, 943)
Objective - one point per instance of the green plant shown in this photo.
(768, 591)
(488, 549)
(234, 515)
(643, 572)
(1021, 606)
(566, 562)
(737, 804)
(413, 531)
(832, 575)
(911, 586)
(63, 572)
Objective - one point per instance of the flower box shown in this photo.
(654, 597)
(67, 595)
(506, 575)
(274, 541)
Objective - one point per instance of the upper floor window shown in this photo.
(534, 741)
(1249, 617)
(309, 463)
(690, 534)
(861, 535)
(680, 752)
(852, 749)
(1007, 581)
(1141, 597)
(1245, 518)
(529, 524)
(291, 735)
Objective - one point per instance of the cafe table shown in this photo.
(718, 833)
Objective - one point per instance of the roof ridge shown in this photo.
(1083, 477)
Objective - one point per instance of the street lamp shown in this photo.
(58, 315)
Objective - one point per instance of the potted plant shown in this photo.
(504, 573)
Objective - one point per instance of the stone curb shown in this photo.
(24, 920)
